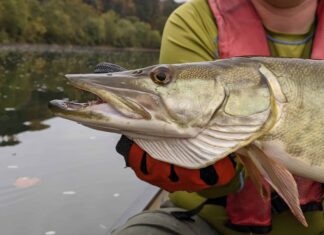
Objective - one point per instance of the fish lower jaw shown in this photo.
(105, 117)
(91, 109)
(140, 128)
(125, 106)
(108, 110)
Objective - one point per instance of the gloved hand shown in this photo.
(164, 175)
(174, 178)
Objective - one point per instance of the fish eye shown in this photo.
(161, 75)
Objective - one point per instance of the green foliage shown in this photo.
(14, 18)
(109, 20)
(118, 23)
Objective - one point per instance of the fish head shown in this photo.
(162, 100)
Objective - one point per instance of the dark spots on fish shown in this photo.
(209, 175)
(173, 174)
(296, 150)
(144, 164)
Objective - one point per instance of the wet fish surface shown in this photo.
(269, 110)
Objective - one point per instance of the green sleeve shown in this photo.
(189, 34)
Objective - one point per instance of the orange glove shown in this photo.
(174, 178)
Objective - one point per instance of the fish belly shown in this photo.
(298, 165)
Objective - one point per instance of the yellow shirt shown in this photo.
(190, 35)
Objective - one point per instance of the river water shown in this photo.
(58, 177)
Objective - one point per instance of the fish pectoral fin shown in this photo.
(279, 178)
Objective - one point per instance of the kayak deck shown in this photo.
(151, 199)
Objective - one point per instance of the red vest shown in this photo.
(241, 33)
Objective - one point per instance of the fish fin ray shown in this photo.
(279, 178)
(255, 175)
(205, 149)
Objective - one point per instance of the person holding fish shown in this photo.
(223, 121)
(223, 193)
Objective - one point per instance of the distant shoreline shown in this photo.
(69, 48)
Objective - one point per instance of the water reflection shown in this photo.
(28, 80)
(67, 179)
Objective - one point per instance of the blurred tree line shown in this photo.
(118, 23)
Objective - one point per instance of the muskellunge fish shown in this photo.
(268, 110)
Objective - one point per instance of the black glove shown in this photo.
(106, 67)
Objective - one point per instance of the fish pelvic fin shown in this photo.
(280, 179)
(255, 175)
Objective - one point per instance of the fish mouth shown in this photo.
(112, 101)
(125, 104)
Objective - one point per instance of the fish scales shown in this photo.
(300, 129)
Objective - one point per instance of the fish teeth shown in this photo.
(94, 102)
